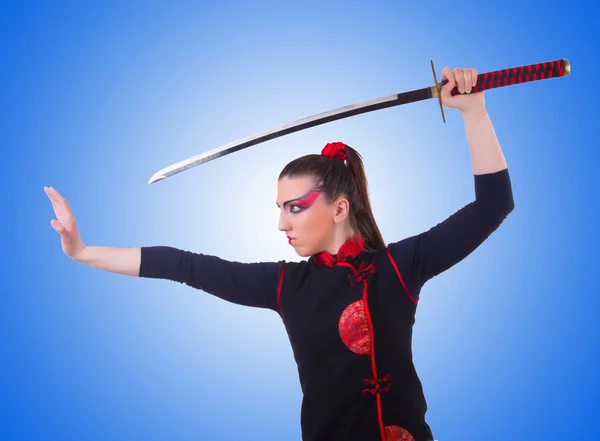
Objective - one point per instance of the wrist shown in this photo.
(79, 255)
(476, 111)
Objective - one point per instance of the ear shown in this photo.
(342, 210)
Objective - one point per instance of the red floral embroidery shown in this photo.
(397, 433)
(354, 328)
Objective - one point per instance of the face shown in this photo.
(304, 215)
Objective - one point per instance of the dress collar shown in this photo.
(351, 248)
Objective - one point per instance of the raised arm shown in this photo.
(426, 255)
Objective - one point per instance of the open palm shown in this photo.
(65, 223)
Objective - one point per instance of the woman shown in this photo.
(349, 309)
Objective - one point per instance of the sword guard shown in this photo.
(438, 87)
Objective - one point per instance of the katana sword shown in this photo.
(485, 81)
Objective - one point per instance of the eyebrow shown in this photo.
(293, 200)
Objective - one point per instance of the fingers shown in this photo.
(52, 201)
(468, 80)
(447, 74)
(459, 76)
(59, 203)
(474, 76)
(50, 192)
(58, 227)
(463, 79)
(61, 230)
(64, 224)
(55, 205)
(54, 195)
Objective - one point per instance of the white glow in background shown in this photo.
(98, 99)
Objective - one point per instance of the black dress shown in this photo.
(349, 316)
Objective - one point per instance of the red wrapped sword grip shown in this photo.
(517, 75)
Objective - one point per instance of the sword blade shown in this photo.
(295, 126)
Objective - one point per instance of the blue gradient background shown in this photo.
(96, 98)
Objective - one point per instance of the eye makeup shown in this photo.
(304, 201)
(308, 200)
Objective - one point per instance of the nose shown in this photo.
(284, 224)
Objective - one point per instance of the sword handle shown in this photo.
(517, 75)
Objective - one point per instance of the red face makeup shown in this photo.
(303, 201)
(307, 200)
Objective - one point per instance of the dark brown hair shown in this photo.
(333, 178)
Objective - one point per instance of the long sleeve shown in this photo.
(423, 256)
(248, 284)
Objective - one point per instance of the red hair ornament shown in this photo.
(335, 150)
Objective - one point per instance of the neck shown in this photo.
(340, 238)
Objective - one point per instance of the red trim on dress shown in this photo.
(400, 277)
(372, 338)
(373, 364)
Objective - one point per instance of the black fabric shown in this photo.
(248, 284)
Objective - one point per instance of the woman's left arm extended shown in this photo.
(425, 255)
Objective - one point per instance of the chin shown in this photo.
(303, 253)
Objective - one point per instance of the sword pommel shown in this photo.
(567, 66)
